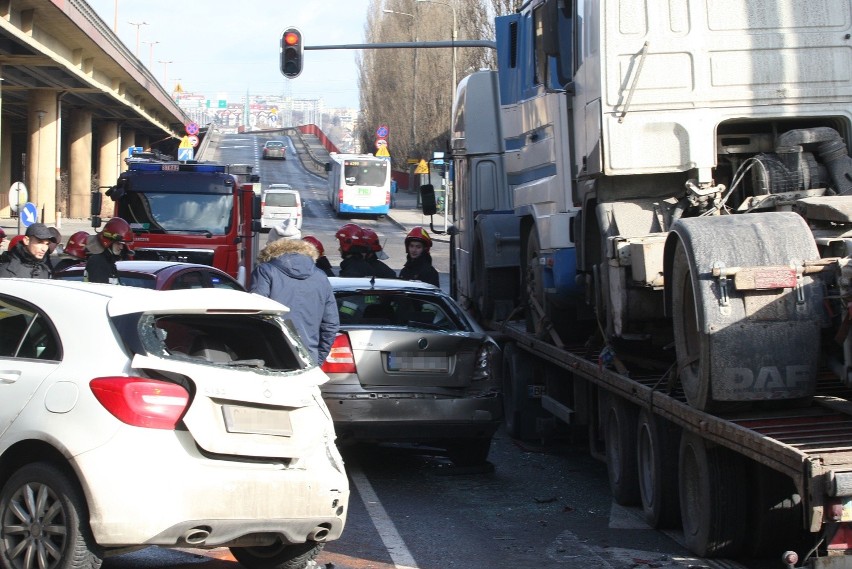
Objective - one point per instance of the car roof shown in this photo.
(281, 188)
(354, 283)
(129, 300)
(148, 267)
(274, 142)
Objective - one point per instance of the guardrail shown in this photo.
(313, 163)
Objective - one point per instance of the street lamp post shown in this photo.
(165, 72)
(138, 26)
(115, 19)
(151, 45)
(414, 78)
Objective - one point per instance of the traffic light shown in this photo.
(291, 53)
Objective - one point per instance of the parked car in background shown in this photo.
(275, 149)
(161, 275)
(410, 365)
(278, 203)
(189, 418)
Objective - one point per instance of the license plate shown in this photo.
(402, 361)
(535, 391)
(256, 421)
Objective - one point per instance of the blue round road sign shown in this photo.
(29, 214)
(192, 129)
(382, 132)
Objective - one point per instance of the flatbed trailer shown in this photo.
(800, 457)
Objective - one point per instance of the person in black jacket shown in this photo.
(322, 261)
(352, 250)
(105, 249)
(418, 264)
(27, 259)
(375, 255)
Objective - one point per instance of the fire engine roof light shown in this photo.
(175, 166)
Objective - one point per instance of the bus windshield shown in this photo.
(365, 172)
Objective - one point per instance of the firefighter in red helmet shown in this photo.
(108, 246)
(375, 255)
(74, 253)
(353, 249)
(418, 264)
(322, 261)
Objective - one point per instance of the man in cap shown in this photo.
(27, 258)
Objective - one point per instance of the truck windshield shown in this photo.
(157, 212)
(365, 172)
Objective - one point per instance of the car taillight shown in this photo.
(141, 402)
(340, 359)
(484, 359)
(387, 198)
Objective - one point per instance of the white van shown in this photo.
(280, 202)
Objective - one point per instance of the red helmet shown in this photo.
(15, 240)
(350, 237)
(76, 246)
(371, 239)
(315, 242)
(116, 230)
(419, 234)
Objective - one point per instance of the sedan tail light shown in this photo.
(484, 361)
(340, 359)
(141, 402)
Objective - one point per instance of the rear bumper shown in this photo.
(414, 419)
(370, 210)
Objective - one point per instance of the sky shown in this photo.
(225, 48)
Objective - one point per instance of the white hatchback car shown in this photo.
(188, 418)
(279, 203)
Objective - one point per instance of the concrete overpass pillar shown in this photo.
(128, 139)
(80, 163)
(5, 169)
(42, 126)
(108, 163)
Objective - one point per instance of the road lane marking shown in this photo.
(398, 551)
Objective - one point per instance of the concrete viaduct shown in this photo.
(73, 99)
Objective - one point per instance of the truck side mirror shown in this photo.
(328, 166)
(427, 199)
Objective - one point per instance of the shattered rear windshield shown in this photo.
(236, 340)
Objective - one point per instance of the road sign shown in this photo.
(422, 168)
(381, 143)
(17, 195)
(185, 154)
(383, 151)
(192, 128)
(382, 131)
(185, 143)
(193, 140)
(29, 214)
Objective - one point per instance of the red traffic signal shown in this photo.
(291, 53)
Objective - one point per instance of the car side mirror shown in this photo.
(328, 166)
(427, 199)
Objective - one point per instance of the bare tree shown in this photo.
(410, 90)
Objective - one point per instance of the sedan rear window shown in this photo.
(396, 309)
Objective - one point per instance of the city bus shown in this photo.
(359, 184)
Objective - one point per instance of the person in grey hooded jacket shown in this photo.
(286, 272)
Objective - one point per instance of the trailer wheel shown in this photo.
(620, 441)
(657, 451)
(713, 498)
(519, 411)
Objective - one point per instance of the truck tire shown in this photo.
(713, 488)
(620, 421)
(520, 412)
(657, 451)
(733, 346)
